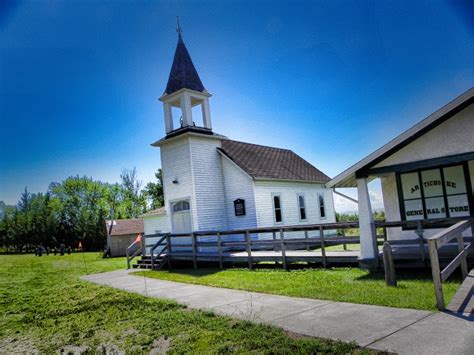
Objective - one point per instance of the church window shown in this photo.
(322, 208)
(181, 206)
(302, 207)
(277, 208)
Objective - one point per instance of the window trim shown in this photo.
(181, 203)
(469, 193)
(277, 194)
(299, 207)
(319, 206)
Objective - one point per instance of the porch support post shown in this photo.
(168, 117)
(368, 254)
(186, 110)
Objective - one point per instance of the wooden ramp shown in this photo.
(463, 300)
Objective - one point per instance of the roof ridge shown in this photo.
(259, 145)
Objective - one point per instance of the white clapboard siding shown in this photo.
(154, 225)
(238, 185)
(176, 164)
(289, 191)
(208, 184)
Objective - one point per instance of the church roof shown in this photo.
(183, 74)
(261, 162)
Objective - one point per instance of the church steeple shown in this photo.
(183, 74)
(185, 90)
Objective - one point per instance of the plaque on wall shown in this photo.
(239, 207)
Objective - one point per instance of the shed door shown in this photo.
(181, 217)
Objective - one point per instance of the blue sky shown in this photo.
(331, 80)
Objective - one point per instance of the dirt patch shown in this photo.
(160, 346)
(22, 345)
(297, 336)
(109, 349)
(73, 349)
(130, 331)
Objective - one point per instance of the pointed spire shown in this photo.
(183, 73)
(179, 30)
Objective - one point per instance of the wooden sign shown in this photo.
(239, 207)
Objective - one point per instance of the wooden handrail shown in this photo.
(135, 253)
(156, 245)
(437, 241)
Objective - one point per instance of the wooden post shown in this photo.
(419, 231)
(283, 249)
(375, 245)
(323, 248)
(274, 241)
(435, 271)
(168, 250)
(389, 265)
(463, 261)
(219, 247)
(249, 248)
(344, 245)
(193, 236)
(306, 238)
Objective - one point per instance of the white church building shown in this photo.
(213, 183)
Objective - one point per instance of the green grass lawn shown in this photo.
(415, 288)
(45, 307)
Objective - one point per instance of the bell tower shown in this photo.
(185, 91)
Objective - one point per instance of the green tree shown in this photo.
(154, 191)
(134, 201)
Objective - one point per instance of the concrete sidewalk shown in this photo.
(403, 331)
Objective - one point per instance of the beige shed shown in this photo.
(123, 233)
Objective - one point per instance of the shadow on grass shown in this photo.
(407, 275)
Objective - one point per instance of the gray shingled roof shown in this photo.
(183, 73)
(261, 162)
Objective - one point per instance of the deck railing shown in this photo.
(163, 243)
(437, 241)
(312, 236)
(418, 228)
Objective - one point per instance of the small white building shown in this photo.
(427, 172)
(213, 183)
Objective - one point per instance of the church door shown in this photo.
(181, 217)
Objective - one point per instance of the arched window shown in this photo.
(181, 206)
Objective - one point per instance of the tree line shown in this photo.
(75, 210)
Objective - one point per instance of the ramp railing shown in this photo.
(162, 242)
(439, 240)
(133, 250)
